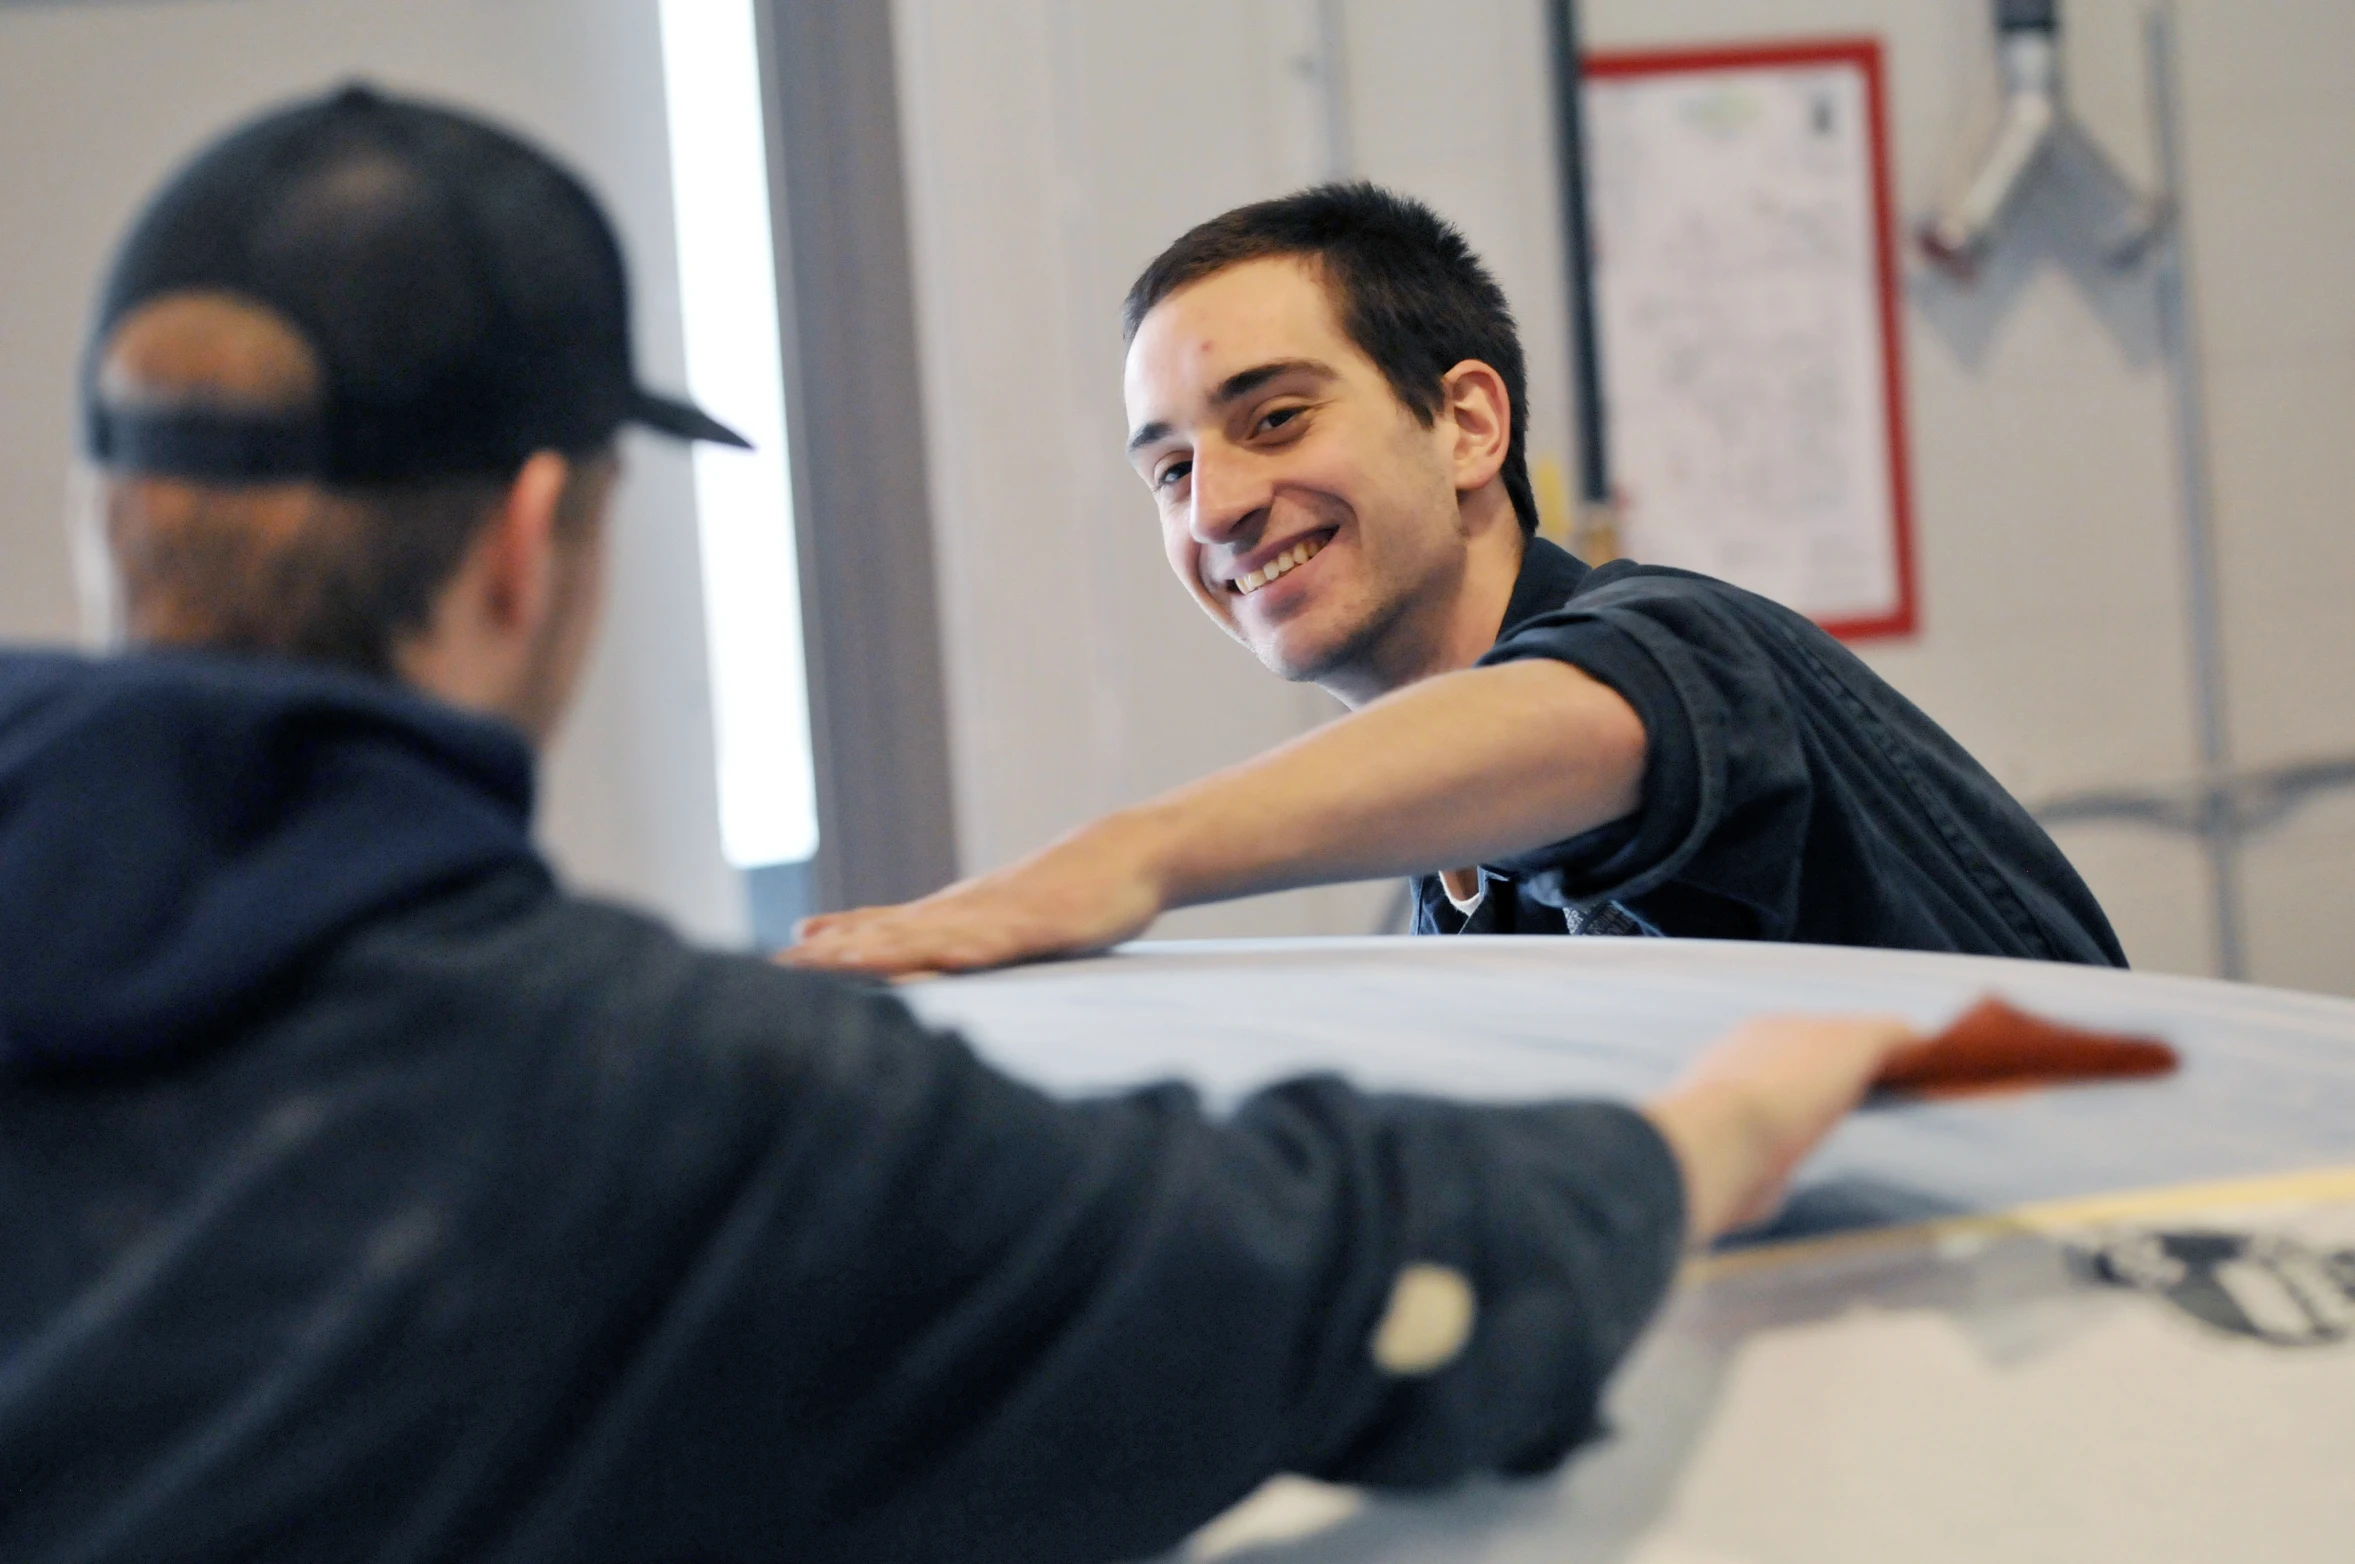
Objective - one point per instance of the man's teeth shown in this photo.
(1283, 564)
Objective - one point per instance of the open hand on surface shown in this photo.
(1751, 1108)
(1086, 892)
(1455, 769)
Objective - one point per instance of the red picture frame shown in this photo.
(1864, 54)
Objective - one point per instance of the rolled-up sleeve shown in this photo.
(1727, 787)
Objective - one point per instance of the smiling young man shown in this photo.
(1326, 399)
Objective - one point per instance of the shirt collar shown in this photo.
(1549, 574)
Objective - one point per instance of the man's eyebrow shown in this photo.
(1243, 382)
(1233, 389)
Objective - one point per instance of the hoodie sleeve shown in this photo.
(930, 1312)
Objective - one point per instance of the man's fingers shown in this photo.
(844, 940)
(850, 953)
(890, 945)
(1817, 1033)
(823, 925)
(1822, 1047)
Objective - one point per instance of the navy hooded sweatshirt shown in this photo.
(369, 1197)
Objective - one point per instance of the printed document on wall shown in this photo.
(1743, 292)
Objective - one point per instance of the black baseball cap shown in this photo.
(463, 292)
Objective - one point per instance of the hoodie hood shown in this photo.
(180, 832)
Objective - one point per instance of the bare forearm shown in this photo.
(1465, 767)
(1461, 768)
(1725, 1150)
(1748, 1111)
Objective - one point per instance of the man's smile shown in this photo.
(1270, 567)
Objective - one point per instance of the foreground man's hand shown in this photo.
(1089, 891)
(1748, 1112)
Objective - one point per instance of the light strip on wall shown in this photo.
(744, 500)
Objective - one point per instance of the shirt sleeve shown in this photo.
(929, 1312)
(1727, 788)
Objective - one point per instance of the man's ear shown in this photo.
(1481, 411)
(519, 557)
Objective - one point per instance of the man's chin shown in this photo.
(1341, 648)
(1304, 659)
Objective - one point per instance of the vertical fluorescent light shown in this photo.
(744, 505)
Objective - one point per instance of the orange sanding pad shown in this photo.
(1992, 1047)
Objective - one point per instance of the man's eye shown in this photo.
(1171, 474)
(1271, 421)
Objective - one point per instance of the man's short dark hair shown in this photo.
(1407, 288)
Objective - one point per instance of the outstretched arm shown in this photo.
(1464, 767)
(920, 1309)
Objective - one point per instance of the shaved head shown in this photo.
(208, 349)
(290, 567)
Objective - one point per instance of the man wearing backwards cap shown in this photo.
(369, 1196)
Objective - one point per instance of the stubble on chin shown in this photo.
(1345, 656)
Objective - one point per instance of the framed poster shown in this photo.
(1745, 298)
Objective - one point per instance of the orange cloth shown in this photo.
(1993, 1047)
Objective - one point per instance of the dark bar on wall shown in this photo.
(878, 711)
(1594, 457)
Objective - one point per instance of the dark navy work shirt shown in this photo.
(1789, 793)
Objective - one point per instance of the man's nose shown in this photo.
(1229, 491)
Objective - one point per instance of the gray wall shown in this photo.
(1056, 144)
(98, 100)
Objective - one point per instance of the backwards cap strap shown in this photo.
(204, 443)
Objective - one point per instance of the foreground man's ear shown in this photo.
(487, 640)
(517, 552)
